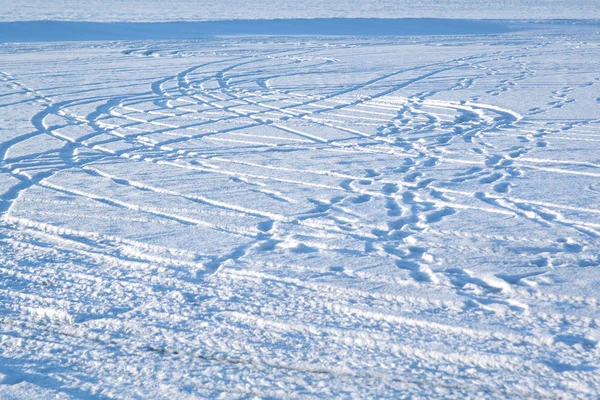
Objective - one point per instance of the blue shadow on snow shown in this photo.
(53, 31)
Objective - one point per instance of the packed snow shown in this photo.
(302, 216)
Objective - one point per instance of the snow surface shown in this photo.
(203, 10)
(288, 217)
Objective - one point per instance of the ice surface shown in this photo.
(48, 31)
(301, 216)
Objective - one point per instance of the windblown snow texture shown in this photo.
(301, 217)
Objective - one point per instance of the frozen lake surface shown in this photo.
(208, 10)
(301, 216)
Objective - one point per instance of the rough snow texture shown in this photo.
(301, 217)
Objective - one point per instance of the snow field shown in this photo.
(301, 217)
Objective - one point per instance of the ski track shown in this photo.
(301, 218)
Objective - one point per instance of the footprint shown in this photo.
(502, 187)
(425, 182)
(430, 162)
(393, 208)
(408, 197)
(470, 171)
(496, 161)
(390, 188)
(415, 272)
(517, 153)
(570, 245)
(412, 177)
(269, 244)
(444, 139)
(265, 226)
(371, 173)
(363, 198)
(438, 215)
(345, 184)
(491, 178)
